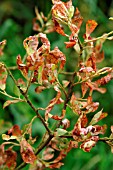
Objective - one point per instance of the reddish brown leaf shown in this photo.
(27, 153)
(91, 62)
(90, 26)
(89, 143)
(15, 131)
(70, 44)
(21, 66)
(99, 57)
(77, 19)
(45, 42)
(56, 56)
(11, 158)
(104, 80)
(56, 117)
(3, 156)
(56, 165)
(58, 28)
(60, 12)
(39, 89)
(84, 88)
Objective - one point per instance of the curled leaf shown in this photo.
(3, 76)
(15, 131)
(7, 137)
(8, 102)
(48, 154)
(27, 153)
(2, 45)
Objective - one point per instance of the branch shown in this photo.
(29, 102)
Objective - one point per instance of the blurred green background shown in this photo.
(15, 25)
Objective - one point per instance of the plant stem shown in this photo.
(29, 102)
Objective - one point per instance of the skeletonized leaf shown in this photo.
(97, 117)
(8, 102)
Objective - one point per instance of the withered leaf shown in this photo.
(3, 76)
(27, 153)
(89, 143)
(8, 102)
(90, 26)
(48, 153)
(15, 131)
(11, 158)
(2, 45)
(58, 28)
(97, 117)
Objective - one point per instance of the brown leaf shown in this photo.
(56, 56)
(15, 131)
(56, 100)
(90, 26)
(3, 76)
(56, 165)
(77, 19)
(3, 156)
(70, 44)
(11, 158)
(2, 45)
(104, 80)
(48, 153)
(89, 143)
(91, 62)
(27, 153)
(39, 89)
(99, 57)
(58, 28)
(21, 66)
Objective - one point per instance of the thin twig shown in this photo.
(29, 102)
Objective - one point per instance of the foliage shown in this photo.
(44, 69)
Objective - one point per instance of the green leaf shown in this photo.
(16, 91)
(61, 132)
(4, 126)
